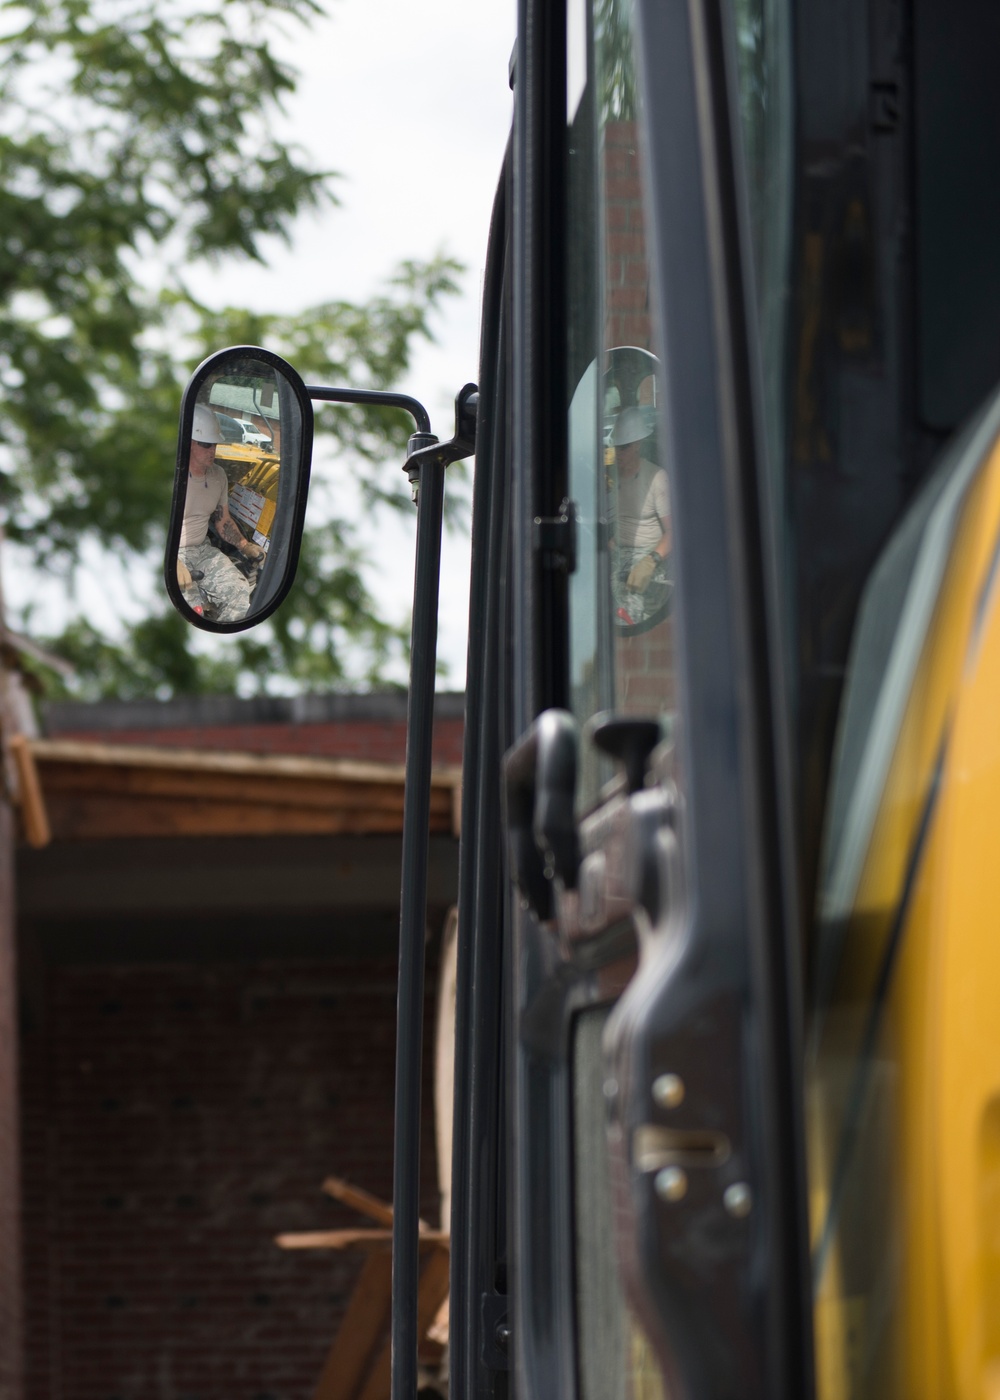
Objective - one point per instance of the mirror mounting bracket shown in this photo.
(423, 447)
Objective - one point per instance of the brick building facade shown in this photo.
(643, 661)
(207, 1032)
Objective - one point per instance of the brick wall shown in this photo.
(644, 672)
(626, 310)
(175, 1119)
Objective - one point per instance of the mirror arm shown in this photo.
(382, 397)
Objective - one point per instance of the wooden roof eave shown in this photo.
(93, 790)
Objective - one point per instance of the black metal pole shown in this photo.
(412, 923)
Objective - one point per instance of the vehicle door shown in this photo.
(658, 1228)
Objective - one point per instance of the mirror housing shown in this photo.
(239, 490)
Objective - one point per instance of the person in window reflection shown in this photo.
(208, 577)
(641, 503)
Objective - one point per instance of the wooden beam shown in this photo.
(431, 1293)
(34, 818)
(104, 790)
(364, 1202)
(355, 1239)
(360, 1332)
(86, 818)
(232, 761)
(358, 1199)
(219, 787)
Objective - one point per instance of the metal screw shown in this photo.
(738, 1200)
(671, 1184)
(668, 1090)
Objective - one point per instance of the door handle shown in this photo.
(540, 818)
(629, 740)
(650, 810)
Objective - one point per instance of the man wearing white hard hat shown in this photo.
(642, 528)
(220, 583)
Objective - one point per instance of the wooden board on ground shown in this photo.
(432, 1291)
(355, 1239)
(361, 1200)
(366, 1319)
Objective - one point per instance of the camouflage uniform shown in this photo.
(222, 586)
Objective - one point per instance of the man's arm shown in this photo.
(226, 527)
(661, 504)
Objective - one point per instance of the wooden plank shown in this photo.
(360, 1331)
(87, 818)
(358, 1199)
(100, 791)
(221, 787)
(35, 820)
(365, 1202)
(83, 817)
(431, 1293)
(348, 770)
(355, 1239)
(218, 761)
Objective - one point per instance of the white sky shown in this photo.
(410, 103)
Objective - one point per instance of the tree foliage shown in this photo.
(135, 141)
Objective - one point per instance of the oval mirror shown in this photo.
(242, 475)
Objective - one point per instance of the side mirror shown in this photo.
(243, 456)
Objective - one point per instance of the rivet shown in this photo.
(671, 1184)
(668, 1090)
(610, 1089)
(738, 1200)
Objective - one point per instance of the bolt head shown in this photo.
(671, 1184)
(738, 1200)
(668, 1090)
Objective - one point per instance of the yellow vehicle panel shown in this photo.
(904, 1065)
(253, 486)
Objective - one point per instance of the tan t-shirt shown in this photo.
(204, 495)
(643, 508)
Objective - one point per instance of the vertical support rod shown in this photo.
(412, 923)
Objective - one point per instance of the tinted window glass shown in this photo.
(621, 595)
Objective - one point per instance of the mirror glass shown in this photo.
(638, 492)
(239, 495)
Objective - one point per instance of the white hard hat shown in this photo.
(206, 426)
(631, 425)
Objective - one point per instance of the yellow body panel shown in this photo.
(904, 1105)
(257, 470)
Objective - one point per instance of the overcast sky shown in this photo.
(411, 103)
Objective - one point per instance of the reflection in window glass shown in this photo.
(622, 592)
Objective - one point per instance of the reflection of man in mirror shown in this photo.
(220, 583)
(642, 531)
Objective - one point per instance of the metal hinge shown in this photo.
(555, 537)
(883, 107)
(496, 1332)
